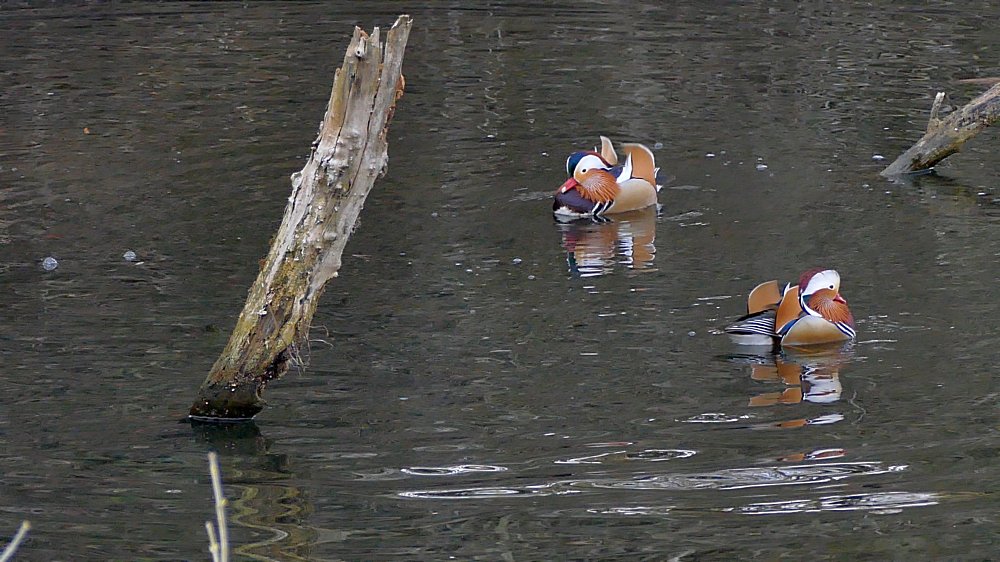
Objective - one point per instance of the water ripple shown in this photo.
(645, 510)
(739, 478)
(553, 489)
(726, 479)
(880, 502)
(657, 455)
(650, 455)
(883, 503)
(452, 470)
(716, 417)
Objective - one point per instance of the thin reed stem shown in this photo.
(8, 552)
(219, 548)
(213, 543)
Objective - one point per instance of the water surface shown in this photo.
(485, 382)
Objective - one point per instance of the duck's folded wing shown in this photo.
(761, 323)
(753, 329)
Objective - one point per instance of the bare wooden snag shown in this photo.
(327, 197)
(945, 137)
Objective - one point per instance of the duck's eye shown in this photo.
(583, 170)
(831, 287)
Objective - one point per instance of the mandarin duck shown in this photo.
(810, 313)
(598, 185)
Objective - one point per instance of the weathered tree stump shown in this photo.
(945, 137)
(327, 197)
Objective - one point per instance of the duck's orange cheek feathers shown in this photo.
(599, 186)
(834, 311)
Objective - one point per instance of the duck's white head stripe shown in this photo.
(589, 162)
(826, 279)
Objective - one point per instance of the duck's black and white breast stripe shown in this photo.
(599, 208)
(846, 329)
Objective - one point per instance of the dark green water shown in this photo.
(484, 383)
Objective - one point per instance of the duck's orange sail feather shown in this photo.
(643, 164)
(608, 151)
(788, 311)
(763, 297)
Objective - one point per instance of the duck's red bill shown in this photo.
(568, 185)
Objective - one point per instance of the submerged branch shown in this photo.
(946, 136)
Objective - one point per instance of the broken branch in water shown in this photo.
(322, 211)
(946, 136)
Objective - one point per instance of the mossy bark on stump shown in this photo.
(327, 197)
(945, 137)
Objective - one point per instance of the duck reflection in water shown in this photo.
(810, 375)
(594, 246)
